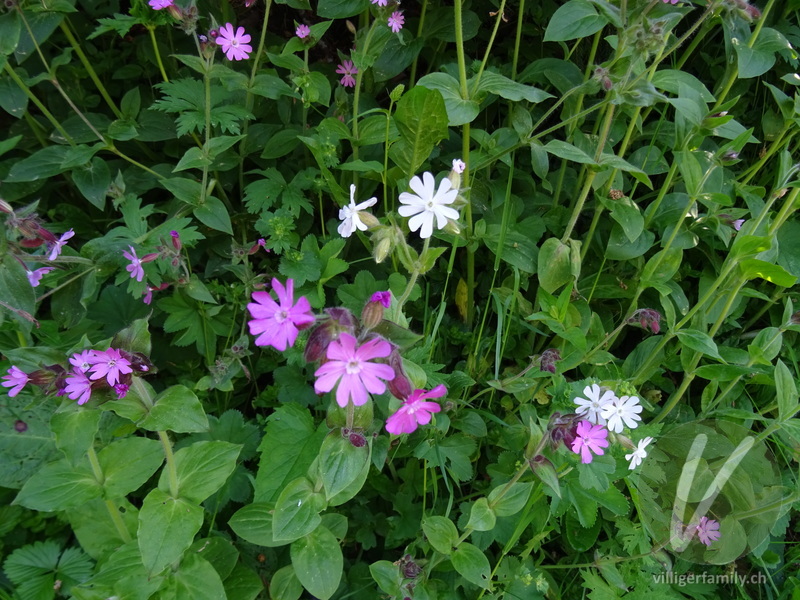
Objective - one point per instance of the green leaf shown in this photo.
(722, 372)
(176, 409)
(481, 517)
(253, 523)
(340, 462)
(699, 342)
(513, 501)
(39, 165)
(554, 268)
(340, 9)
(202, 469)
(575, 19)
(16, 294)
(289, 447)
(10, 27)
(93, 181)
(167, 527)
(441, 533)
(59, 486)
(759, 59)
(625, 212)
(243, 584)
(24, 453)
(753, 267)
(494, 83)
(421, 119)
(661, 267)
(213, 214)
(297, 511)
(459, 111)
(318, 562)
(472, 565)
(569, 152)
(128, 463)
(185, 190)
(285, 585)
(786, 391)
(75, 430)
(195, 579)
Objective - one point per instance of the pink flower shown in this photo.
(78, 387)
(415, 411)
(279, 324)
(157, 5)
(396, 20)
(459, 165)
(384, 298)
(380, 2)
(135, 268)
(148, 295)
(302, 31)
(670, 1)
(121, 390)
(55, 247)
(82, 361)
(589, 438)
(350, 367)
(708, 531)
(16, 380)
(737, 224)
(34, 277)
(347, 69)
(109, 364)
(234, 45)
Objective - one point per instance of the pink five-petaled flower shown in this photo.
(34, 277)
(158, 5)
(82, 361)
(396, 21)
(234, 45)
(384, 298)
(347, 69)
(589, 438)
(277, 325)
(55, 247)
(380, 2)
(350, 366)
(109, 364)
(135, 268)
(415, 411)
(302, 31)
(708, 531)
(16, 380)
(78, 387)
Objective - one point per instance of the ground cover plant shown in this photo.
(427, 300)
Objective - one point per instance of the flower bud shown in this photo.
(357, 439)
(648, 318)
(350, 27)
(409, 567)
(372, 314)
(400, 387)
(6, 207)
(546, 472)
(396, 93)
(368, 219)
(176, 239)
(563, 428)
(547, 362)
(339, 320)
(452, 227)
(20, 426)
(795, 318)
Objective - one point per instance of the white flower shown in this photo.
(625, 409)
(425, 204)
(596, 402)
(638, 455)
(458, 165)
(351, 220)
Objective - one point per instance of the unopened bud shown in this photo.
(350, 27)
(548, 360)
(795, 318)
(339, 320)
(452, 228)
(372, 314)
(176, 240)
(20, 426)
(410, 569)
(175, 12)
(648, 318)
(357, 439)
(546, 472)
(396, 93)
(382, 247)
(400, 387)
(6, 207)
(368, 219)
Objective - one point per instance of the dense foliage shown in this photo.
(432, 300)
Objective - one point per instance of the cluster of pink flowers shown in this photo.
(355, 361)
(89, 370)
(170, 253)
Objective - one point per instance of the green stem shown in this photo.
(413, 77)
(357, 96)
(171, 467)
(413, 279)
(517, 39)
(477, 77)
(152, 30)
(113, 511)
(47, 114)
(207, 110)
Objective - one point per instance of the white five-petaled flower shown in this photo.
(428, 204)
(637, 456)
(622, 410)
(594, 403)
(351, 219)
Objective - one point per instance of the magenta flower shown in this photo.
(347, 69)
(302, 31)
(380, 2)
(737, 224)
(396, 20)
(82, 361)
(350, 366)
(277, 325)
(135, 268)
(55, 247)
(78, 387)
(589, 438)
(121, 390)
(708, 531)
(159, 5)
(234, 45)
(34, 277)
(415, 411)
(16, 380)
(109, 364)
(148, 295)
(384, 298)
(670, 1)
